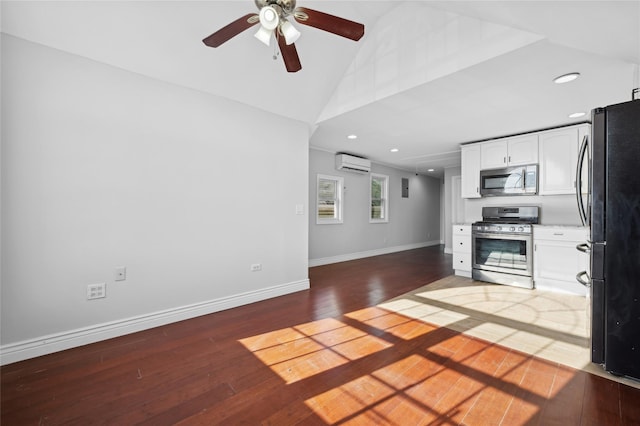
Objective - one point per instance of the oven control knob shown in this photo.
(499, 228)
(521, 229)
(512, 229)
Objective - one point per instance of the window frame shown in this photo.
(338, 201)
(384, 198)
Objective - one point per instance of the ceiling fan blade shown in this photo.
(333, 24)
(289, 54)
(233, 29)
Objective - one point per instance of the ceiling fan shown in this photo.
(273, 19)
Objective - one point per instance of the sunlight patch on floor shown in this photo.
(550, 325)
(299, 352)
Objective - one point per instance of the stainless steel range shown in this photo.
(502, 245)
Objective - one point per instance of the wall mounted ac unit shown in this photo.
(351, 163)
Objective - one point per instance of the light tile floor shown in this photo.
(552, 326)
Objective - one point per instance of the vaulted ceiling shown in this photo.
(426, 76)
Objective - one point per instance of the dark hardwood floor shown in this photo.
(323, 356)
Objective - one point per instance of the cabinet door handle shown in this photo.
(509, 158)
(504, 160)
(558, 233)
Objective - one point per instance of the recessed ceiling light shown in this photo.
(394, 150)
(577, 114)
(566, 78)
(352, 137)
(430, 170)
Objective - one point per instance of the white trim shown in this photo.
(339, 199)
(26, 349)
(385, 198)
(362, 254)
(461, 273)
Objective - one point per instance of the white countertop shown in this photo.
(578, 227)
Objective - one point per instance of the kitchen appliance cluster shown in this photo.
(607, 188)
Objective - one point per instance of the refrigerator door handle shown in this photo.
(585, 282)
(581, 154)
(584, 247)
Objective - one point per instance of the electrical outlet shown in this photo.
(256, 267)
(96, 291)
(121, 273)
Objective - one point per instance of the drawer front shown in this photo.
(461, 244)
(560, 234)
(462, 261)
(462, 230)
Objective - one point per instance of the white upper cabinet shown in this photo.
(514, 151)
(493, 154)
(559, 158)
(470, 158)
(556, 152)
(523, 150)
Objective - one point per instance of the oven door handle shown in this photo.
(502, 236)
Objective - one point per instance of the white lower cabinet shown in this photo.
(556, 261)
(462, 250)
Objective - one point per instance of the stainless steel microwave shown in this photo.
(516, 180)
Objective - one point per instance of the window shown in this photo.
(329, 205)
(379, 198)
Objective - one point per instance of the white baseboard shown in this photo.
(362, 254)
(44, 345)
(460, 273)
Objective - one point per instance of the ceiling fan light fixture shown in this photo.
(264, 35)
(269, 18)
(290, 33)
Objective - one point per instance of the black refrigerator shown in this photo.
(613, 213)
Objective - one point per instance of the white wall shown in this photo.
(413, 222)
(104, 168)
